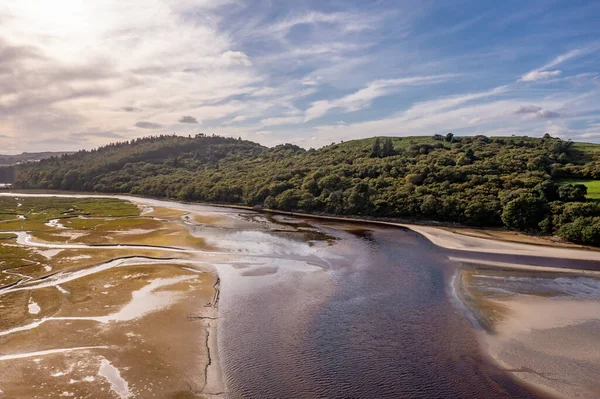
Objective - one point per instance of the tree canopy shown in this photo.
(479, 180)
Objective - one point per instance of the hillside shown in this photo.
(8, 160)
(7, 173)
(500, 181)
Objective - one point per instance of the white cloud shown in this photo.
(310, 81)
(364, 97)
(543, 73)
(534, 76)
(236, 58)
(285, 120)
(91, 61)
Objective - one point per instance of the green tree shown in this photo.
(288, 200)
(572, 192)
(430, 206)
(376, 151)
(388, 148)
(358, 201)
(583, 230)
(524, 212)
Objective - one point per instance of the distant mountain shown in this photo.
(8, 160)
(516, 182)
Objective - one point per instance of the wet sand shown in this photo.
(542, 326)
(133, 317)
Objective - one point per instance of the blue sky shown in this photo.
(76, 75)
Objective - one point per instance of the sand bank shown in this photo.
(451, 240)
(540, 324)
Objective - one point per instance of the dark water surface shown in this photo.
(379, 323)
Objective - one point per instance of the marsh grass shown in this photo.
(38, 211)
(122, 215)
(14, 256)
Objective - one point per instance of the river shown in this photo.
(315, 309)
(388, 329)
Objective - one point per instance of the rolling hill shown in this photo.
(517, 182)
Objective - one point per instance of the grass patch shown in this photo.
(14, 256)
(110, 224)
(593, 186)
(39, 210)
(7, 236)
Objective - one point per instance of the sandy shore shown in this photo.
(551, 344)
(539, 323)
(451, 240)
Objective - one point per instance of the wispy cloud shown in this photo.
(115, 70)
(431, 107)
(544, 73)
(363, 98)
(536, 75)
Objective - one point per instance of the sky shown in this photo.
(79, 74)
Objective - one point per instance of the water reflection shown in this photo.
(377, 322)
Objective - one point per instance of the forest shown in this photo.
(515, 182)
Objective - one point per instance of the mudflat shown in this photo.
(100, 298)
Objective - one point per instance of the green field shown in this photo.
(593, 186)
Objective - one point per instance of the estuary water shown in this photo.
(382, 323)
(312, 309)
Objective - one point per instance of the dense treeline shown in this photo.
(8, 160)
(7, 174)
(478, 181)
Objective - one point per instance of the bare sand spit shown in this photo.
(451, 240)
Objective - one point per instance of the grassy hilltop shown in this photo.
(528, 184)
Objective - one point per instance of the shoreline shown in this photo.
(443, 235)
(524, 333)
(437, 235)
